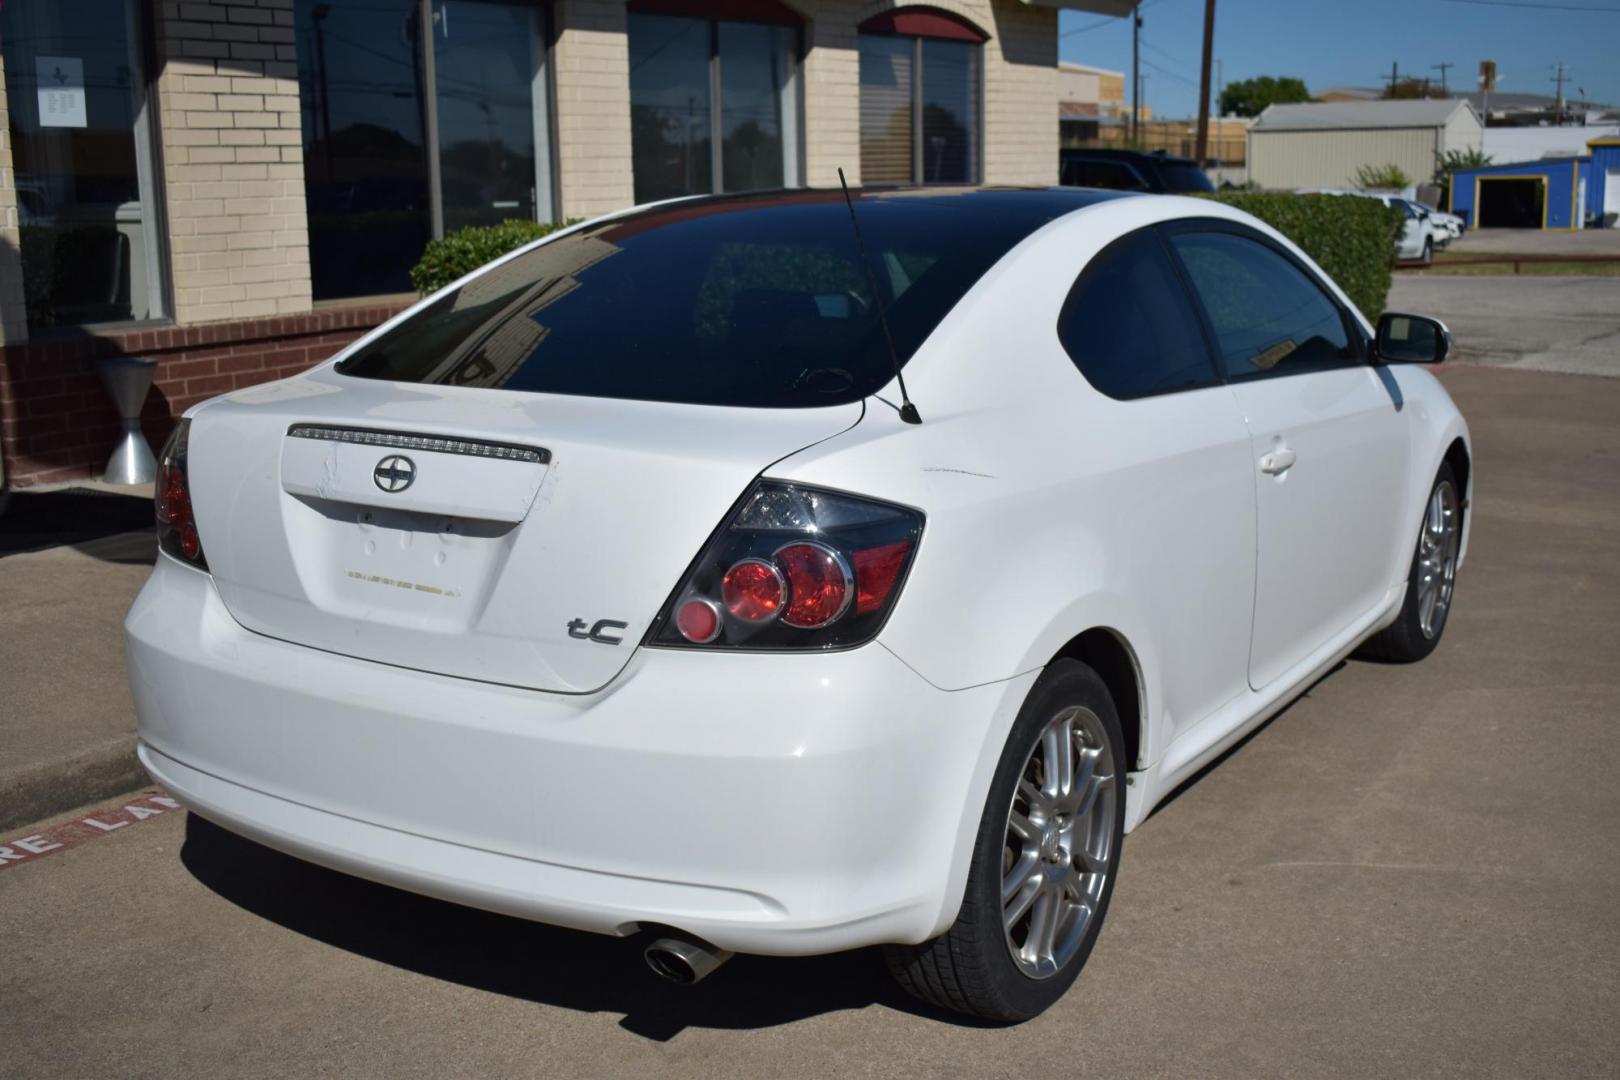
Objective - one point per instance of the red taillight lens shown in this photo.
(819, 582)
(876, 571)
(794, 568)
(177, 524)
(698, 621)
(754, 590)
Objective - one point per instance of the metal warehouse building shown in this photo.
(1550, 193)
(1322, 144)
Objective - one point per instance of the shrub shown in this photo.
(1382, 176)
(1351, 238)
(465, 250)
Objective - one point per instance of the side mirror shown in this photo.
(1411, 339)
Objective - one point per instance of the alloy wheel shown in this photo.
(1059, 847)
(1437, 559)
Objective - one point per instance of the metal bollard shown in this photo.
(128, 379)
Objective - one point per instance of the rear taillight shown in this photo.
(176, 524)
(794, 568)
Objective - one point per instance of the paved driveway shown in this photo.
(1538, 242)
(1569, 324)
(1410, 872)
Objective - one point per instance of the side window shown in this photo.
(1269, 317)
(1079, 172)
(1129, 325)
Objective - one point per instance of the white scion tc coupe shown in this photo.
(613, 587)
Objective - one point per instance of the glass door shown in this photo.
(490, 104)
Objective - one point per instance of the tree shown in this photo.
(1249, 97)
(1451, 161)
(1372, 177)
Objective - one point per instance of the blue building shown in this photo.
(1552, 193)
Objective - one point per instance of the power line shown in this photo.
(1170, 74)
(1092, 26)
(1112, 20)
(1176, 60)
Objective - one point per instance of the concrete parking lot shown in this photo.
(1568, 324)
(1411, 871)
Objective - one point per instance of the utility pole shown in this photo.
(1394, 76)
(1443, 67)
(1558, 116)
(1136, 77)
(1203, 84)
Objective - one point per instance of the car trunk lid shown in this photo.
(523, 539)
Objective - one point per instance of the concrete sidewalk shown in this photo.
(71, 561)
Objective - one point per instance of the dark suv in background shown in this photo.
(1131, 170)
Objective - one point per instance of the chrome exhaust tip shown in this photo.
(684, 961)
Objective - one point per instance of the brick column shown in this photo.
(1020, 92)
(13, 311)
(592, 56)
(233, 159)
(832, 93)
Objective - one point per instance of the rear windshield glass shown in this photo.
(747, 301)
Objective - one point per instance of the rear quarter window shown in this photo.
(1129, 325)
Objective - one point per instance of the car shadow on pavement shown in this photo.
(544, 964)
(98, 523)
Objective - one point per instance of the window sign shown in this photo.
(61, 91)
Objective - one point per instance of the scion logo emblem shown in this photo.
(394, 473)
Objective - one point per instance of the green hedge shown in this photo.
(465, 250)
(1351, 238)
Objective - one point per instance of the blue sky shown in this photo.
(1352, 43)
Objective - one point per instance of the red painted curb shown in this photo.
(112, 818)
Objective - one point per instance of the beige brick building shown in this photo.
(237, 187)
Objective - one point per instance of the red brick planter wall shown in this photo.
(56, 422)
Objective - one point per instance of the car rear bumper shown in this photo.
(770, 803)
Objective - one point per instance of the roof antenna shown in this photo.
(908, 411)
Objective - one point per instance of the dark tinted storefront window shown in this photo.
(80, 149)
(670, 114)
(755, 65)
(713, 105)
(487, 58)
(919, 105)
(365, 164)
(403, 143)
(950, 95)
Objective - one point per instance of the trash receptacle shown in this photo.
(128, 379)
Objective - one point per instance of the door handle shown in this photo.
(1278, 461)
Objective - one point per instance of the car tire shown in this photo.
(973, 967)
(1430, 582)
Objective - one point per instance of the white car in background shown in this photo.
(1420, 234)
(1451, 224)
(621, 585)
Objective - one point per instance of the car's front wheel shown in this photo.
(1044, 863)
